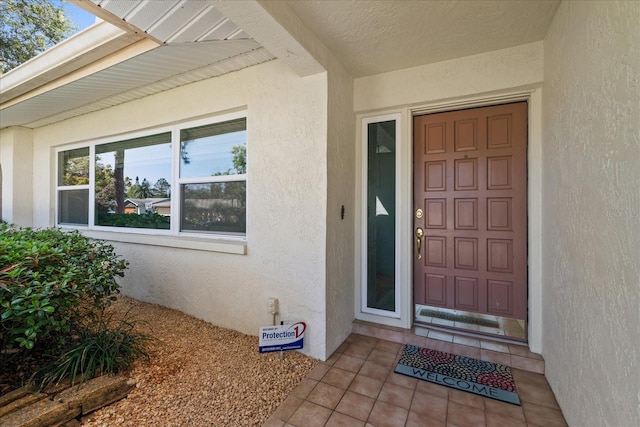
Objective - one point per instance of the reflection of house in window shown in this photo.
(161, 206)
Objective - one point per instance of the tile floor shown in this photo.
(356, 386)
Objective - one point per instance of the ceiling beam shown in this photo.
(279, 30)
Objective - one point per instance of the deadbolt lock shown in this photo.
(418, 213)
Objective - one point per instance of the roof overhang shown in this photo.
(154, 47)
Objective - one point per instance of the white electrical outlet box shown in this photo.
(273, 305)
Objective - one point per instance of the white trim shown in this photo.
(362, 310)
(229, 246)
(91, 41)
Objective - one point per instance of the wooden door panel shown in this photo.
(466, 214)
(466, 292)
(470, 181)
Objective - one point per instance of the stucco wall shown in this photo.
(16, 146)
(516, 67)
(340, 231)
(591, 212)
(286, 201)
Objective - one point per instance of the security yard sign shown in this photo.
(282, 337)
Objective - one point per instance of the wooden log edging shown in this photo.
(66, 405)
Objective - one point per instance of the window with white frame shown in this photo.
(189, 178)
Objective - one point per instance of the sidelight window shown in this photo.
(380, 283)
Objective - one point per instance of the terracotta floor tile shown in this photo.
(411, 338)
(330, 361)
(521, 350)
(403, 380)
(468, 341)
(433, 389)
(464, 398)
(429, 406)
(287, 408)
(341, 420)
(464, 415)
(338, 377)
(527, 364)
(396, 395)
(326, 395)
(415, 419)
(496, 420)
(344, 346)
(440, 336)
(543, 415)
(373, 370)
(386, 415)
(310, 415)
(496, 357)
(366, 340)
(382, 358)
(494, 346)
(359, 350)
(318, 372)
(350, 391)
(348, 363)
(388, 346)
(388, 335)
(529, 378)
(304, 388)
(273, 422)
(503, 409)
(366, 386)
(355, 405)
(465, 350)
(439, 345)
(537, 394)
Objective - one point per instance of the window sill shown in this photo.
(212, 245)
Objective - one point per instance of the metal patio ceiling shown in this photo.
(172, 21)
(196, 42)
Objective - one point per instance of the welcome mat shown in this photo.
(460, 318)
(462, 373)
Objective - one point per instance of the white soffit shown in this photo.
(152, 72)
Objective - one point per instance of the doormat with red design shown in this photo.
(462, 373)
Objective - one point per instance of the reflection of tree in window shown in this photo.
(148, 158)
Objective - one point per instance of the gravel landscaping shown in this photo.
(200, 375)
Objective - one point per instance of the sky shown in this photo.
(79, 16)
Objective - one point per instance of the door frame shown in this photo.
(404, 203)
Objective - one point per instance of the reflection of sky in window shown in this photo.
(210, 155)
(207, 156)
(152, 162)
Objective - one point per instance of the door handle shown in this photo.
(419, 234)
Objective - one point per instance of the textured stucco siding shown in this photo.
(341, 185)
(16, 151)
(286, 201)
(591, 212)
(516, 67)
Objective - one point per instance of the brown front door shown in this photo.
(470, 210)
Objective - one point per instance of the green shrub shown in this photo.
(147, 220)
(105, 346)
(49, 281)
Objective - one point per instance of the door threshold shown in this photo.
(422, 329)
(477, 324)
